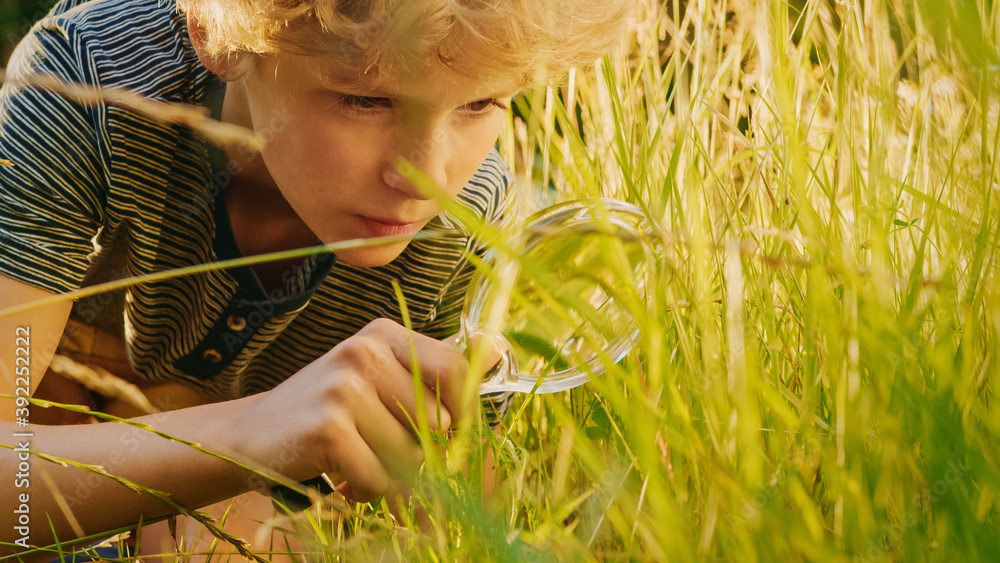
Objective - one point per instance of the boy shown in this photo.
(296, 361)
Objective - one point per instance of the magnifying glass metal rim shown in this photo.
(582, 215)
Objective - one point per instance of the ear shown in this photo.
(219, 66)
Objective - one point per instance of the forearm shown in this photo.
(98, 503)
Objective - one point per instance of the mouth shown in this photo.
(388, 227)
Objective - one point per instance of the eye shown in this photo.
(483, 108)
(365, 103)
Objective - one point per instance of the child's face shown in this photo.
(330, 146)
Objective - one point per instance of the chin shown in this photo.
(370, 257)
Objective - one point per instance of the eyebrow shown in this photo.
(375, 85)
(336, 79)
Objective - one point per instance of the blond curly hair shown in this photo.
(473, 37)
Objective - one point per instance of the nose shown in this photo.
(421, 170)
(403, 176)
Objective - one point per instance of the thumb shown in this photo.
(479, 347)
(455, 340)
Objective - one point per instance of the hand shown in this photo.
(349, 412)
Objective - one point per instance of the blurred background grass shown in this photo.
(16, 18)
(816, 375)
(816, 380)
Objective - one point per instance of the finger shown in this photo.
(360, 467)
(396, 391)
(394, 383)
(388, 438)
(455, 340)
(398, 498)
(442, 367)
(482, 347)
(370, 354)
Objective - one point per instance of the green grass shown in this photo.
(816, 380)
(816, 373)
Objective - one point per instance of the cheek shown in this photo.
(283, 156)
(311, 151)
(472, 147)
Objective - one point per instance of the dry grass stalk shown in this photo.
(197, 118)
(101, 381)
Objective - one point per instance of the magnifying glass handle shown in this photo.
(286, 498)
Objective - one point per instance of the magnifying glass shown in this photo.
(559, 301)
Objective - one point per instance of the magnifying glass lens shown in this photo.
(567, 296)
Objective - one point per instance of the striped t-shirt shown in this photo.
(99, 192)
